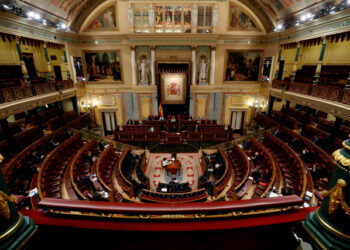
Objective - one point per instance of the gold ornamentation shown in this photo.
(336, 198)
(4, 207)
(341, 158)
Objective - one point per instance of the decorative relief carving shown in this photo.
(4, 207)
(336, 198)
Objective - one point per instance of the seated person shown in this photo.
(37, 157)
(165, 162)
(256, 175)
(53, 143)
(173, 119)
(161, 118)
(130, 122)
(102, 145)
(190, 118)
(196, 128)
(152, 129)
(256, 156)
(277, 132)
(69, 133)
(305, 155)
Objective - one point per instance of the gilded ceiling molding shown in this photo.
(85, 11)
(260, 12)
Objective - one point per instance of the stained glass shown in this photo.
(187, 15)
(169, 15)
(159, 15)
(177, 15)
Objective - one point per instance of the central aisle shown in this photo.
(190, 169)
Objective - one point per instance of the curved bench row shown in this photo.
(54, 166)
(20, 170)
(241, 168)
(80, 168)
(292, 167)
(265, 165)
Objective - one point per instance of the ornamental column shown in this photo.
(23, 65)
(212, 66)
(278, 65)
(295, 66)
(153, 60)
(193, 65)
(329, 226)
(51, 78)
(66, 63)
(15, 229)
(320, 60)
(133, 66)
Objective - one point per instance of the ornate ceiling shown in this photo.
(286, 8)
(74, 12)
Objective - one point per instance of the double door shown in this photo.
(109, 121)
(237, 120)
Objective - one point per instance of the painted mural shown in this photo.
(105, 20)
(242, 66)
(240, 21)
(103, 66)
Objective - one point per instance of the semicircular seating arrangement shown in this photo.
(54, 166)
(25, 164)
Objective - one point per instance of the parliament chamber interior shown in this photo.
(216, 124)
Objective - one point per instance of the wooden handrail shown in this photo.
(159, 208)
(71, 167)
(245, 157)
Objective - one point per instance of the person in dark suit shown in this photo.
(101, 145)
(37, 157)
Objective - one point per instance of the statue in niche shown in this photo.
(215, 15)
(151, 15)
(194, 15)
(203, 70)
(131, 16)
(144, 70)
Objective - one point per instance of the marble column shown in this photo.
(133, 66)
(278, 64)
(295, 66)
(51, 78)
(212, 66)
(194, 66)
(320, 60)
(66, 63)
(153, 60)
(23, 65)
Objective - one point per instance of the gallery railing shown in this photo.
(324, 92)
(18, 93)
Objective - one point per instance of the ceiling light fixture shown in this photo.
(6, 6)
(63, 26)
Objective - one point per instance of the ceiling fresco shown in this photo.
(63, 9)
(284, 8)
